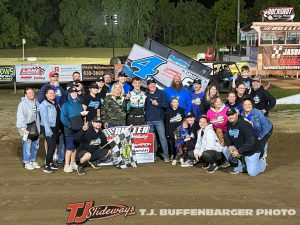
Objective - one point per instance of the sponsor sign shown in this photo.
(281, 57)
(279, 28)
(7, 73)
(65, 71)
(32, 73)
(90, 72)
(282, 14)
(148, 65)
(141, 140)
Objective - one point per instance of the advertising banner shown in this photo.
(32, 73)
(90, 72)
(7, 73)
(279, 14)
(141, 140)
(281, 57)
(147, 65)
(65, 71)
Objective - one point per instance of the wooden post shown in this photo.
(15, 87)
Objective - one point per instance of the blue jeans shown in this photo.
(254, 163)
(61, 149)
(160, 128)
(30, 150)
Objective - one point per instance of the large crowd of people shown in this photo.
(190, 126)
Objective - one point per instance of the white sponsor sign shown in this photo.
(32, 73)
(65, 71)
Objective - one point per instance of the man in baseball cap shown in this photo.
(197, 96)
(93, 145)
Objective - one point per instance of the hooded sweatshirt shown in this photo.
(173, 120)
(70, 109)
(263, 99)
(207, 140)
(27, 113)
(218, 118)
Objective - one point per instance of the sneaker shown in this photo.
(225, 164)
(80, 170)
(28, 166)
(212, 168)
(205, 165)
(187, 163)
(172, 157)
(265, 159)
(234, 172)
(73, 165)
(166, 160)
(174, 162)
(53, 166)
(181, 160)
(94, 165)
(35, 165)
(68, 169)
(47, 169)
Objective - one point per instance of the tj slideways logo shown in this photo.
(81, 212)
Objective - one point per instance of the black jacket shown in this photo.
(263, 99)
(173, 120)
(90, 140)
(242, 136)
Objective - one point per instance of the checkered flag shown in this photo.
(276, 52)
(122, 151)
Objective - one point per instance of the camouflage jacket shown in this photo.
(112, 111)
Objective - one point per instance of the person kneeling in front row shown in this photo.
(92, 145)
(243, 148)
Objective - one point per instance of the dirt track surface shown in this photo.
(32, 197)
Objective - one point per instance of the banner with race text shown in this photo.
(142, 141)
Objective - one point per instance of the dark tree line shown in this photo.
(80, 23)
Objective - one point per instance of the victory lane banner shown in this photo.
(142, 142)
(90, 72)
(7, 73)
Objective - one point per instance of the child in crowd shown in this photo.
(175, 115)
(182, 136)
(245, 79)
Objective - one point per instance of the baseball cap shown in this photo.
(100, 79)
(72, 89)
(122, 74)
(97, 119)
(197, 81)
(190, 115)
(256, 78)
(53, 74)
(231, 112)
(151, 81)
(94, 85)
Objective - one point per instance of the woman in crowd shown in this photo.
(240, 93)
(208, 146)
(71, 117)
(211, 92)
(113, 111)
(231, 102)
(262, 126)
(28, 124)
(217, 117)
(50, 126)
